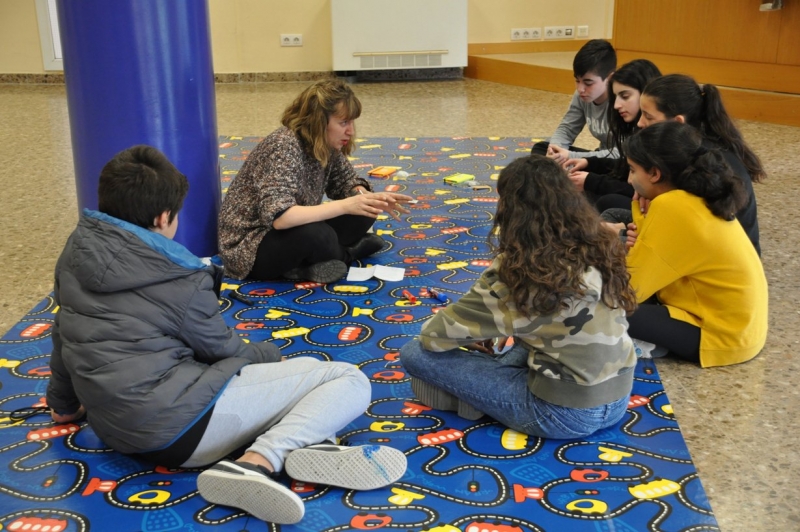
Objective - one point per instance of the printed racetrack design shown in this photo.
(463, 476)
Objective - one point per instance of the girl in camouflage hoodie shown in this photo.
(559, 288)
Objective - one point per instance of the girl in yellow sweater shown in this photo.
(699, 280)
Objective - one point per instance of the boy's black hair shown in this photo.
(596, 57)
(140, 183)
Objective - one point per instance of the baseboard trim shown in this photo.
(770, 77)
(520, 74)
(271, 77)
(54, 78)
(245, 77)
(745, 104)
(415, 74)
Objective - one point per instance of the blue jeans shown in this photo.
(498, 387)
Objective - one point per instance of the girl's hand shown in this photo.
(502, 343)
(633, 234)
(615, 228)
(374, 203)
(484, 346)
(558, 154)
(578, 179)
(66, 418)
(573, 165)
(644, 203)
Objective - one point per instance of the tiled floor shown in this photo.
(737, 420)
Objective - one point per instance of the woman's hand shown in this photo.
(573, 165)
(374, 203)
(367, 204)
(578, 179)
(66, 418)
(558, 154)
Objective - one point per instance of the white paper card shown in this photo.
(385, 273)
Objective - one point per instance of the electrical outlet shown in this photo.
(559, 32)
(583, 31)
(291, 39)
(525, 34)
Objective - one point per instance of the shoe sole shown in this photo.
(262, 498)
(439, 399)
(365, 467)
(322, 272)
(327, 272)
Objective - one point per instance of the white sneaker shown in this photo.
(362, 467)
(647, 350)
(249, 488)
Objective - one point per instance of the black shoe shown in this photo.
(249, 488)
(322, 272)
(366, 246)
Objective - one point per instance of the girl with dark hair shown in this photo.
(699, 281)
(558, 286)
(273, 223)
(599, 176)
(678, 97)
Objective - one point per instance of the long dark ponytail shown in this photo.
(677, 150)
(678, 94)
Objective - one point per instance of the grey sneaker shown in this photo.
(249, 488)
(648, 350)
(322, 272)
(439, 399)
(362, 467)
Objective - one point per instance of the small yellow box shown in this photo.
(455, 179)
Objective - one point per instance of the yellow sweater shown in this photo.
(705, 271)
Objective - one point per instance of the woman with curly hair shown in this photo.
(558, 286)
(273, 222)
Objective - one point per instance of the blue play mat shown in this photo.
(463, 476)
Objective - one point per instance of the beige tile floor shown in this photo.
(736, 420)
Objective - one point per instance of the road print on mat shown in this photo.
(463, 476)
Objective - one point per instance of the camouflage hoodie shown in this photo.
(580, 358)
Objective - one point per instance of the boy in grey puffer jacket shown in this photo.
(140, 346)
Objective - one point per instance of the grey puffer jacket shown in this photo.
(138, 339)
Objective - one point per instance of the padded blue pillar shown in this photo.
(140, 72)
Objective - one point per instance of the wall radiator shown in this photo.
(398, 34)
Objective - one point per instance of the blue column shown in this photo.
(140, 72)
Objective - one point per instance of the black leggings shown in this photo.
(613, 201)
(286, 249)
(652, 323)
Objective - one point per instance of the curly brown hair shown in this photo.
(308, 115)
(549, 235)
